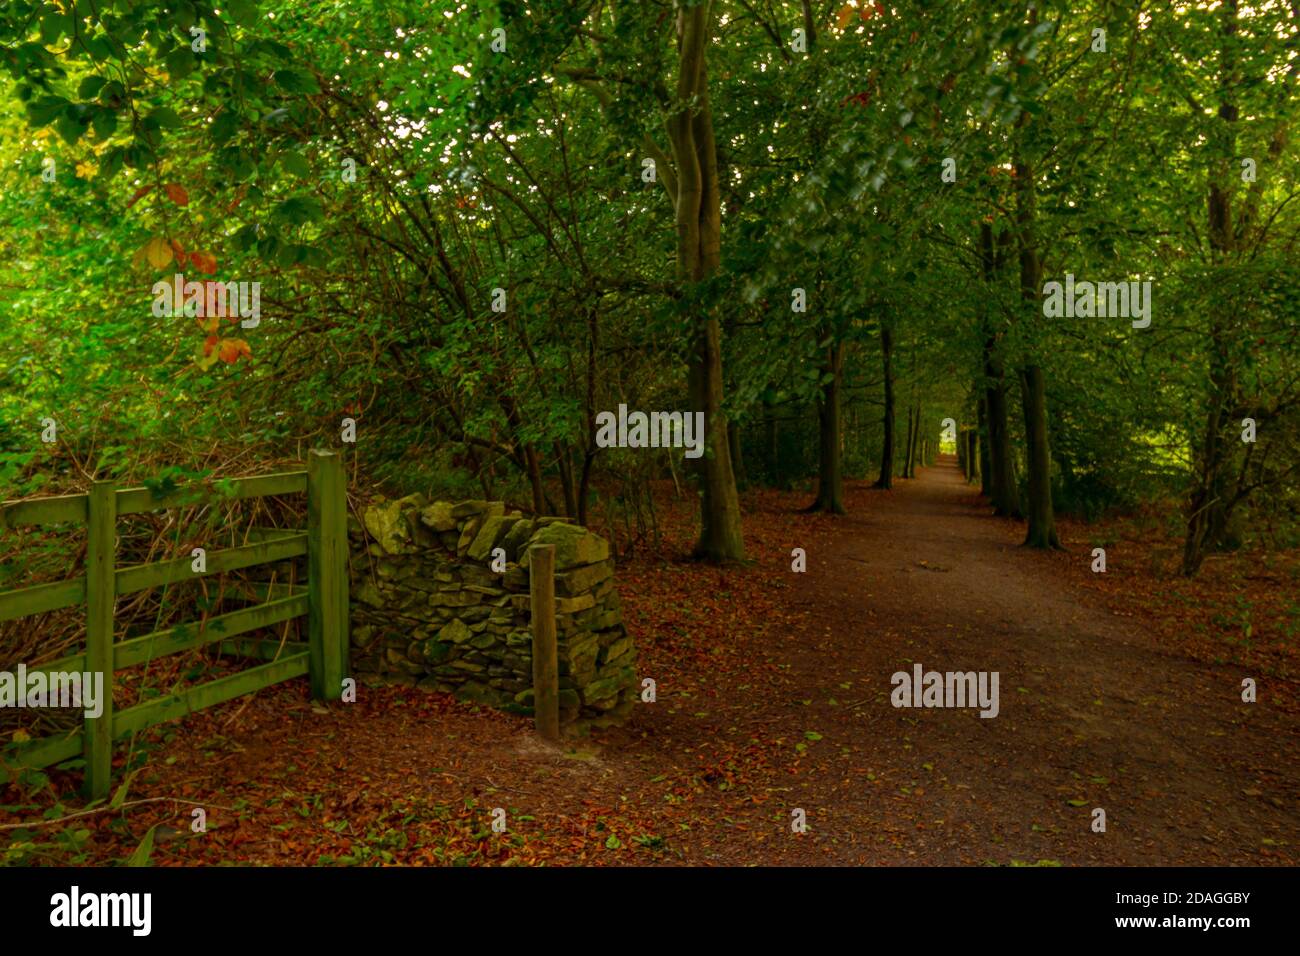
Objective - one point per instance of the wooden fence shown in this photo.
(324, 656)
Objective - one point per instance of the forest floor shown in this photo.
(1120, 691)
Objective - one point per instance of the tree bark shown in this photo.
(886, 479)
(981, 412)
(1038, 460)
(566, 480)
(1209, 508)
(698, 218)
(830, 480)
(737, 462)
(914, 440)
(1003, 489)
(535, 478)
(1042, 519)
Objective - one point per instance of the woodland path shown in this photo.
(752, 721)
(1091, 708)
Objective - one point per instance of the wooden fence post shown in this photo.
(327, 573)
(546, 673)
(101, 589)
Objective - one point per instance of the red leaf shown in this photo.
(139, 194)
(177, 194)
(205, 262)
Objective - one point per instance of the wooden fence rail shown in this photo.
(324, 602)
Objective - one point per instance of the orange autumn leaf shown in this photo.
(209, 344)
(204, 261)
(177, 194)
(179, 251)
(845, 15)
(231, 350)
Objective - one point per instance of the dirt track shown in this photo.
(1091, 710)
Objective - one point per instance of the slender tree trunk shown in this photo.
(699, 233)
(1038, 459)
(535, 478)
(886, 479)
(1209, 508)
(566, 481)
(770, 446)
(1003, 489)
(584, 486)
(737, 462)
(720, 532)
(830, 481)
(914, 443)
(907, 444)
(981, 412)
(1042, 519)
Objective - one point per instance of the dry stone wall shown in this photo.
(428, 609)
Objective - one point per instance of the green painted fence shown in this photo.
(324, 656)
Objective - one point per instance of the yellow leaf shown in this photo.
(157, 252)
(86, 169)
(21, 736)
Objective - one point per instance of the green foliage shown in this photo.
(521, 169)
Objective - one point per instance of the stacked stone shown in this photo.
(429, 611)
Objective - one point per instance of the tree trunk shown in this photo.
(1038, 460)
(1209, 508)
(698, 218)
(914, 442)
(584, 485)
(737, 462)
(830, 480)
(770, 442)
(886, 479)
(1042, 519)
(907, 445)
(1003, 489)
(535, 478)
(566, 481)
(981, 412)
